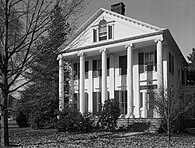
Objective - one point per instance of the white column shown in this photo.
(104, 75)
(160, 83)
(82, 83)
(136, 78)
(130, 81)
(144, 104)
(90, 85)
(112, 76)
(61, 84)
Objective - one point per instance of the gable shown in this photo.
(121, 26)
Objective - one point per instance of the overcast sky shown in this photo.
(176, 15)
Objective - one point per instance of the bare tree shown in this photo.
(172, 108)
(22, 23)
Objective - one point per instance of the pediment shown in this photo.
(122, 27)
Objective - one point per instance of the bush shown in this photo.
(71, 120)
(41, 120)
(36, 114)
(109, 115)
(22, 115)
(22, 119)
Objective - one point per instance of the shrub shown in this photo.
(22, 114)
(109, 114)
(22, 119)
(71, 120)
(41, 119)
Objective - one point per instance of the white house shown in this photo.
(115, 56)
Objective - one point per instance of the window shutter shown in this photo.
(170, 62)
(141, 62)
(108, 66)
(109, 32)
(94, 35)
(86, 69)
(155, 60)
(95, 103)
(86, 102)
(123, 65)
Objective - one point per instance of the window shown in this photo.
(123, 65)
(97, 68)
(147, 61)
(122, 99)
(76, 69)
(171, 63)
(103, 32)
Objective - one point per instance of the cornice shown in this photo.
(112, 42)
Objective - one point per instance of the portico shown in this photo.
(109, 84)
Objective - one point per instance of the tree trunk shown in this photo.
(4, 117)
(4, 128)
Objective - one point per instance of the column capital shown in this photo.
(79, 54)
(60, 57)
(130, 45)
(157, 40)
(103, 50)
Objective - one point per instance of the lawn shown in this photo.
(28, 138)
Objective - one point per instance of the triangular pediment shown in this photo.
(122, 27)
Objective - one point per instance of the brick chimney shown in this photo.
(118, 8)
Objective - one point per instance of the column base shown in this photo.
(130, 116)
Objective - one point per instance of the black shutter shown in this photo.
(108, 66)
(86, 102)
(123, 65)
(170, 62)
(94, 35)
(86, 69)
(155, 60)
(94, 103)
(109, 32)
(141, 62)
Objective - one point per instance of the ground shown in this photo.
(27, 138)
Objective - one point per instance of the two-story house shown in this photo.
(115, 56)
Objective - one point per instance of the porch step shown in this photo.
(140, 124)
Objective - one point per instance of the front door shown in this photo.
(146, 104)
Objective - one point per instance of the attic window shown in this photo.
(103, 31)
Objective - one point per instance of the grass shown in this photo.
(27, 138)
